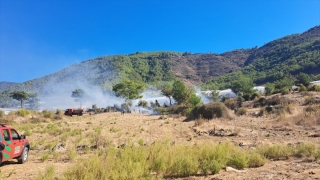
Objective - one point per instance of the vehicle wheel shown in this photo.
(24, 156)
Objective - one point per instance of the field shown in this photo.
(282, 144)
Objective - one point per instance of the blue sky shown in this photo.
(40, 37)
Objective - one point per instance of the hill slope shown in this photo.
(288, 55)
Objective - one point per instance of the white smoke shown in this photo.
(57, 90)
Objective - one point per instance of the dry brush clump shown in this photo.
(231, 103)
(310, 117)
(210, 111)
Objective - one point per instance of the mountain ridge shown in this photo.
(193, 69)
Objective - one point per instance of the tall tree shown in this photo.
(242, 85)
(180, 92)
(20, 96)
(128, 89)
(269, 88)
(285, 82)
(194, 100)
(79, 96)
(304, 79)
(167, 91)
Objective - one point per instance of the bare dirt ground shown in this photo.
(250, 131)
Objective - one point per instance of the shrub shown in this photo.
(210, 111)
(276, 152)
(241, 111)
(262, 101)
(57, 117)
(285, 91)
(231, 103)
(255, 95)
(44, 157)
(306, 150)
(1, 113)
(140, 162)
(178, 109)
(47, 114)
(275, 100)
(309, 100)
(302, 88)
(314, 88)
(288, 108)
(199, 121)
(311, 109)
(48, 174)
(256, 160)
(305, 93)
(239, 161)
(72, 155)
(59, 112)
(23, 112)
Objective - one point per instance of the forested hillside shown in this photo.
(6, 85)
(286, 56)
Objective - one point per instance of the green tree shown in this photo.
(283, 83)
(194, 100)
(143, 103)
(20, 96)
(242, 85)
(269, 88)
(304, 79)
(79, 95)
(167, 91)
(128, 89)
(180, 92)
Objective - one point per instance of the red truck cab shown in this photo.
(70, 112)
(13, 145)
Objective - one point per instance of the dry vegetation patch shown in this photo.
(139, 146)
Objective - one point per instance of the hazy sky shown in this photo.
(40, 37)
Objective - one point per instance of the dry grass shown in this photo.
(92, 141)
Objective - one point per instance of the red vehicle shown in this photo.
(70, 112)
(13, 145)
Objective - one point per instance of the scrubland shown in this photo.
(272, 137)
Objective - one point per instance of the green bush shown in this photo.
(285, 91)
(276, 151)
(238, 161)
(255, 95)
(141, 162)
(256, 160)
(302, 88)
(47, 114)
(59, 112)
(210, 111)
(48, 174)
(306, 150)
(314, 88)
(23, 112)
(241, 111)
